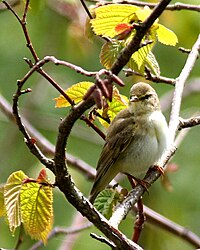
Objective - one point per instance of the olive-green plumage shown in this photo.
(135, 139)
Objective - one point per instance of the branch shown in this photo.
(123, 209)
(172, 7)
(63, 179)
(172, 227)
(151, 77)
(11, 2)
(60, 230)
(134, 45)
(30, 142)
(46, 146)
(153, 175)
(180, 82)
(193, 86)
(188, 123)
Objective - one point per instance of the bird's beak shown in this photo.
(134, 98)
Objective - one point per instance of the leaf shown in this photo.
(123, 31)
(106, 201)
(76, 92)
(42, 177)
(166, 36)
(153, 64)
(118, 103)
(143, 13)
(140, 56)
(109, 53)
(12, 191)
(109, 16)
(2, 204)
(37, 210)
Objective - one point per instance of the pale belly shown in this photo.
(139, 156)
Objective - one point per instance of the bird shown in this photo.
(136, 139)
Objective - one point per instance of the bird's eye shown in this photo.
(145, 97)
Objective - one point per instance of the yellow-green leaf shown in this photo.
(166, 36)
(143, 13)
(37, 209)
(109, 53)
(76, 92)
(118, 103)
(140, 56)
(109, 16)
(12, 191)
(2, 205)
(152, 63)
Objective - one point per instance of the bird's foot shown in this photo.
(160, 169)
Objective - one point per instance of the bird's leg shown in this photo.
(140, 218)
(134, 181)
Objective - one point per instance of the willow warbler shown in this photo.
(136, 139)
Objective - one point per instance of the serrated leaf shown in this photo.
(105, 202)
(118, 103)
(109, 53)
(76, 92)
(153, 64)
(36, 210)
(12, 198)
(109, 16)
(140, 56)
(166, 36)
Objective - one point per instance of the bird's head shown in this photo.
(143, 98)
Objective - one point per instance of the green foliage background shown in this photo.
(54, 34)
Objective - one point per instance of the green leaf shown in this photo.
(76, 92)
(166, 36)
(140, 56)
(106, 201)
(109, 53)
(12, 199)
(37, 209)
(109, 16)
(118, 103)
(153, 64)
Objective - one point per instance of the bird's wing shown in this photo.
(120, 134)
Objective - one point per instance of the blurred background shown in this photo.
(58, 28)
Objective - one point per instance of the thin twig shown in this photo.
(92, 125)
(172, 7)
(86, 9)
(151, 77)
(12, 3)
(28, 140)
(172, 227)
(188, 123)
(60, 230)
(103, 240)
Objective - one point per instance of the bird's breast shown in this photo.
(146, 147)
